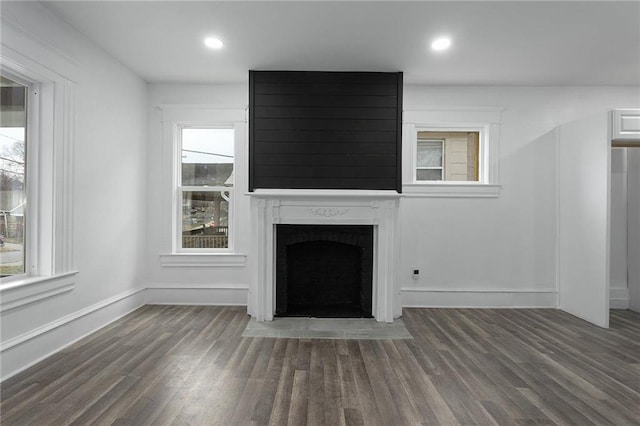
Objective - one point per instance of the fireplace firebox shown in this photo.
(324, 270)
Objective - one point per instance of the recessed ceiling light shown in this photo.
(213, 43)
(441, 43)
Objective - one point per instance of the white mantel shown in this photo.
(324, 207)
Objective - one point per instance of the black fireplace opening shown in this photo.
(324, 271)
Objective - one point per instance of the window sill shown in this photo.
(451, 190)
(187, 260)
(16, 294)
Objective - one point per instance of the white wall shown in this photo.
(197, 284)
(108, 187)
(633, 214)
(470, 251)
(619, 293)
(498, 252)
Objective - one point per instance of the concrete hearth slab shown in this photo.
(327, 328)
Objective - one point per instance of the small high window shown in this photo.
(451, 151)
(447, 156)
(205, 188)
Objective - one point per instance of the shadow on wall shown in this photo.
(532, 171)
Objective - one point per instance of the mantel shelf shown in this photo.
(323, 193)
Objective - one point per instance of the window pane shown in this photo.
(207, 157)
(459, 155)
(205, 219)
(429, 174)
(13, 124)
(429, 154)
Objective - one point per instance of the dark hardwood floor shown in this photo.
(189, 365)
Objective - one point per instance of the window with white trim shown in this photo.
(209, 180)
(46, 225)
(13, 175)
(205, 188)
(451, 151)
(447, 156)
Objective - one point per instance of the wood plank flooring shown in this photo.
(189, 365)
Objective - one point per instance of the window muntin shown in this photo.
(205, 188)
(13, 176)
(447, 156)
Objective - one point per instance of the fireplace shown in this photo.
(324, 270)
(376, 210)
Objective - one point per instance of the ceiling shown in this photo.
(494, 43)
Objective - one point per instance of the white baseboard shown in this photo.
(619, 298)
(417, 297)
(25, 350)
(181, 294)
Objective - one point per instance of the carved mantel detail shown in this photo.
(327, 211)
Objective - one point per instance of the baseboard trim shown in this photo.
(619, 298)
(416, 297)
(26, 350)
(193, 294)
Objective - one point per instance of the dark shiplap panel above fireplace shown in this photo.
(324, 130)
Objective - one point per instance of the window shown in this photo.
(37, 108)
(447, 156)
(451, 151)
(204, 160)
(205, 188)
(13, 176)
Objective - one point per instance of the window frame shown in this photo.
(181, 189)
(483, 177)
(30, 221)
(484, 120)
(171, 117)
(49, 255)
